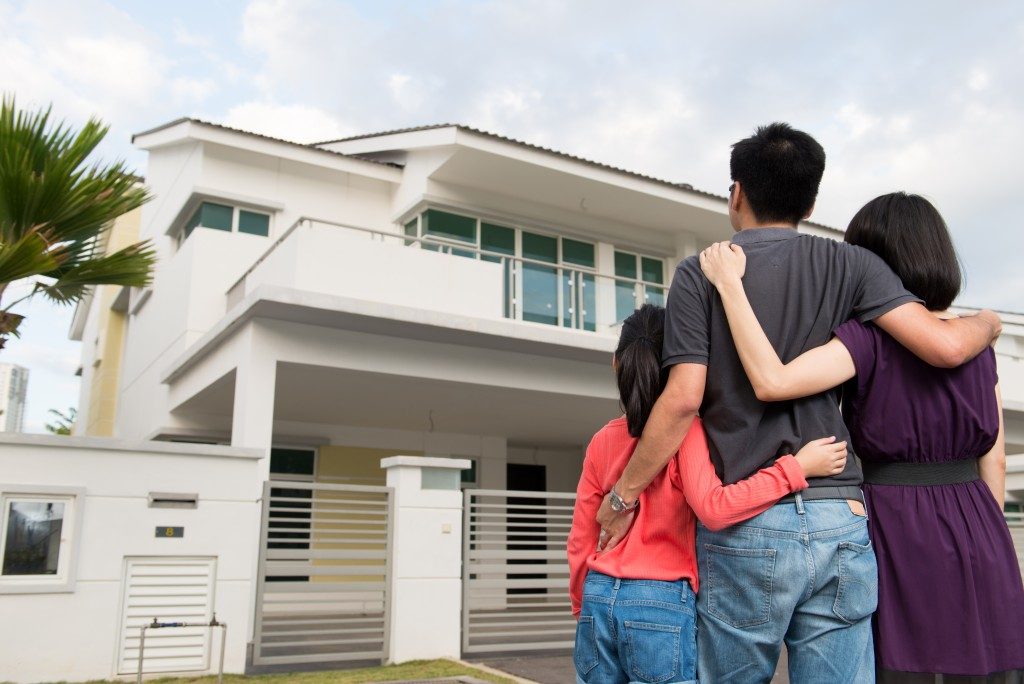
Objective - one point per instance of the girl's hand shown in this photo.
(723, 262)
(822, 457)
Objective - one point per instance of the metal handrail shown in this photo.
(571, 313)
(401, 237)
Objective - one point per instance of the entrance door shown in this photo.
(525, 530)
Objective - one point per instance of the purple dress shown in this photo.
(950, 596)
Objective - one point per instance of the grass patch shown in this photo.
(417, 669)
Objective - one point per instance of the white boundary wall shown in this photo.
(72, 631)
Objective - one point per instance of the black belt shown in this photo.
(921, 474)
(827, 493)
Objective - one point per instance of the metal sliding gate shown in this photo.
(515, 575)
(324, 568)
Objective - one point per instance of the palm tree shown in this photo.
(55, 209)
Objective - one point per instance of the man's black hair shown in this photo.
(910, 235)
(779, 169)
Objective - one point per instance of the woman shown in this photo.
(931, 442)
(635, 603)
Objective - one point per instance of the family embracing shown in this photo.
(841, 490)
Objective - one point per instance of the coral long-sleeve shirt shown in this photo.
(661, 545)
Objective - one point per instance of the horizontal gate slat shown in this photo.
(334, 540)
(515, 572)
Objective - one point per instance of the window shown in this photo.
(227, 218)
(35, 535)
(650, 270)
(563, 293)
(468, 478)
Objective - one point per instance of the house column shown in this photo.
(425, 583)
(686, 246)
(252, 420)
(606, 314)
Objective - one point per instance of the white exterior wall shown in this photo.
(74, 636)
(331, 260)
(190, 283)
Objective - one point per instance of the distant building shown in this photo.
(13, 386)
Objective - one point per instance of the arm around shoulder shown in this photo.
(940, 343)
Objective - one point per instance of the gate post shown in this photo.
(425, 584)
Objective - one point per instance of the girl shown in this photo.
(950, 597)
(635, 603)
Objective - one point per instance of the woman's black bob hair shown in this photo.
(910, 235)
(638, 365)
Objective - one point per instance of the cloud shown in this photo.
(663, 89)
(290, 122)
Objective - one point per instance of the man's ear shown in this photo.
(809, 212)
(737, 198)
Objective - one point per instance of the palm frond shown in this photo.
(57, 204)
(131, 266)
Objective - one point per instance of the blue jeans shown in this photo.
(803, 573)
(636, 631)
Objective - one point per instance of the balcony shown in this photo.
(433, 274)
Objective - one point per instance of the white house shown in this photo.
(438, 291)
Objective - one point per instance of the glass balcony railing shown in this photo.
(530, 290)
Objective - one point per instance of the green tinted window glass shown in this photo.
(654, 295)
(410, 230)
(193, 222)
(625, 264)
(540, 294)
(291, 461)
(469, 474)
(576, 252)
(253, 223)
(215, 216)
(579, 300)
(497, 239)
(653, 269)
(450, 226)
(625, 300)
(540, 247)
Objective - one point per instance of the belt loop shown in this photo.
(799, 500)
(617, 583)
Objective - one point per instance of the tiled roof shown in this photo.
(222, 127)
(469, 129)
(523, 143)
(564, 155)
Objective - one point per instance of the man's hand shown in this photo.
(614, 526)
(993, 319)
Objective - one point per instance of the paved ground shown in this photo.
(542, 669)
(560, 670)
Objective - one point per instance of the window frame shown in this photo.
(184, 233)
(518, 227)
(71, 528)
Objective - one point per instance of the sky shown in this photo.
(923, 97)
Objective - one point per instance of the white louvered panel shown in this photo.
(171, 590)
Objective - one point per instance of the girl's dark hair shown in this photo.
(638, 365)
(910, 235)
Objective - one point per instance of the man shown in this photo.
(803, 572)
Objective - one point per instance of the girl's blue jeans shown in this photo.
(636, 631)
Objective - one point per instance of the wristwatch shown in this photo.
(619, 505)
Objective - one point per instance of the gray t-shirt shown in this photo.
(801, 288)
